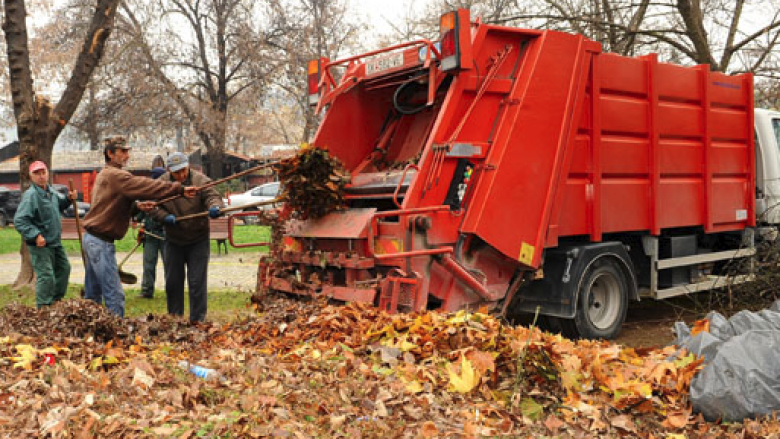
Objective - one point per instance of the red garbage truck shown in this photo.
(525, 171)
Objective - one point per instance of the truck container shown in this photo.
(525, 171)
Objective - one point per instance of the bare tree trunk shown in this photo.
(38, 123)
(26, 275)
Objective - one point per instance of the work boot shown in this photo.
(147, 296)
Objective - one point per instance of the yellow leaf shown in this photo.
(96, 363)
(531, 409)
(414, 386)
(5, 340)
(468, 378)
(27, 354)
(460, 317)
(684, 361)
(109, 359)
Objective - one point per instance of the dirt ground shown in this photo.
(649, 323)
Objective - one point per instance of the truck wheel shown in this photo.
(602, 302)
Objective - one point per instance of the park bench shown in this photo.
(218, 229)
(69, 228)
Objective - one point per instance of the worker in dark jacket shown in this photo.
(38, 221)
(115, 196)
(152, 234)
(187, 242)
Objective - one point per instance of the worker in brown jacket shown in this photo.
(187, 245)
(114, 198)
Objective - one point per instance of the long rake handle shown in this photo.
(230, 209)
(221, 180)
(78, 224)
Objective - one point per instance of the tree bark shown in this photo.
(691, 13)
(38, 123)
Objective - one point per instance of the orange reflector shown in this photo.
(385, 246)
(314, 66)
(447, 22)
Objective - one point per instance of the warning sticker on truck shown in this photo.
(526, 254)
(741, 214)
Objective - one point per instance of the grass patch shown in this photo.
(224, 305)
(10, 240)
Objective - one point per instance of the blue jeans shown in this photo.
(101, 281)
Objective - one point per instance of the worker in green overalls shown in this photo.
(38, 221)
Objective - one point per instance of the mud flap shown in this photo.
(556, 293)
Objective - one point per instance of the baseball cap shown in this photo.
(157, 172)
(37, 166)
(177, 161)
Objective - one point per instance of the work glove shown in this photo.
(169, 219)
(141, 235)
(214, 212)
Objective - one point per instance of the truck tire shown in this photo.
(602, 302)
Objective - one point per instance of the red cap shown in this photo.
(37, 166)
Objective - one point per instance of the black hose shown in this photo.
(404, 108)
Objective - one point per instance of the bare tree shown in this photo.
(317, 28)
(38, 121)
(213, 54)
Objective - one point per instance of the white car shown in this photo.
(264, 192)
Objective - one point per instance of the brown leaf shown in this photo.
(624, 422)
(429, 430)
(553, 424)
(677, 419)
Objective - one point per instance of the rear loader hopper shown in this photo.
(524, 170)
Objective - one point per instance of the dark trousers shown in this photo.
(52, 267)
(153, 248)
(194, 258)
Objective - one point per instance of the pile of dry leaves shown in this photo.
(312, 183)
(309, 369)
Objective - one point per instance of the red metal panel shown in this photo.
(704, 70)
(678, 83)
(625, 204)
(732, 205)
(730, 124)
(681, 157)
(618, 73)
(624, 155)
(623, 114)
(681, 202)
(679, 120)
(529, 149)
(351, 223)
(654, 138)
(730, 158)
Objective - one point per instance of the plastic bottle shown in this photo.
(202, 372)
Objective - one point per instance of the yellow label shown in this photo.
(526, 254)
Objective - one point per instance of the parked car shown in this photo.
(68, 212)
(9, 202)
(264, 192)
(83, 209)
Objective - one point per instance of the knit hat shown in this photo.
(157, 172)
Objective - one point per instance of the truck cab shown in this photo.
(767, 166)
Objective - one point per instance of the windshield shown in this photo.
(776, 129)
